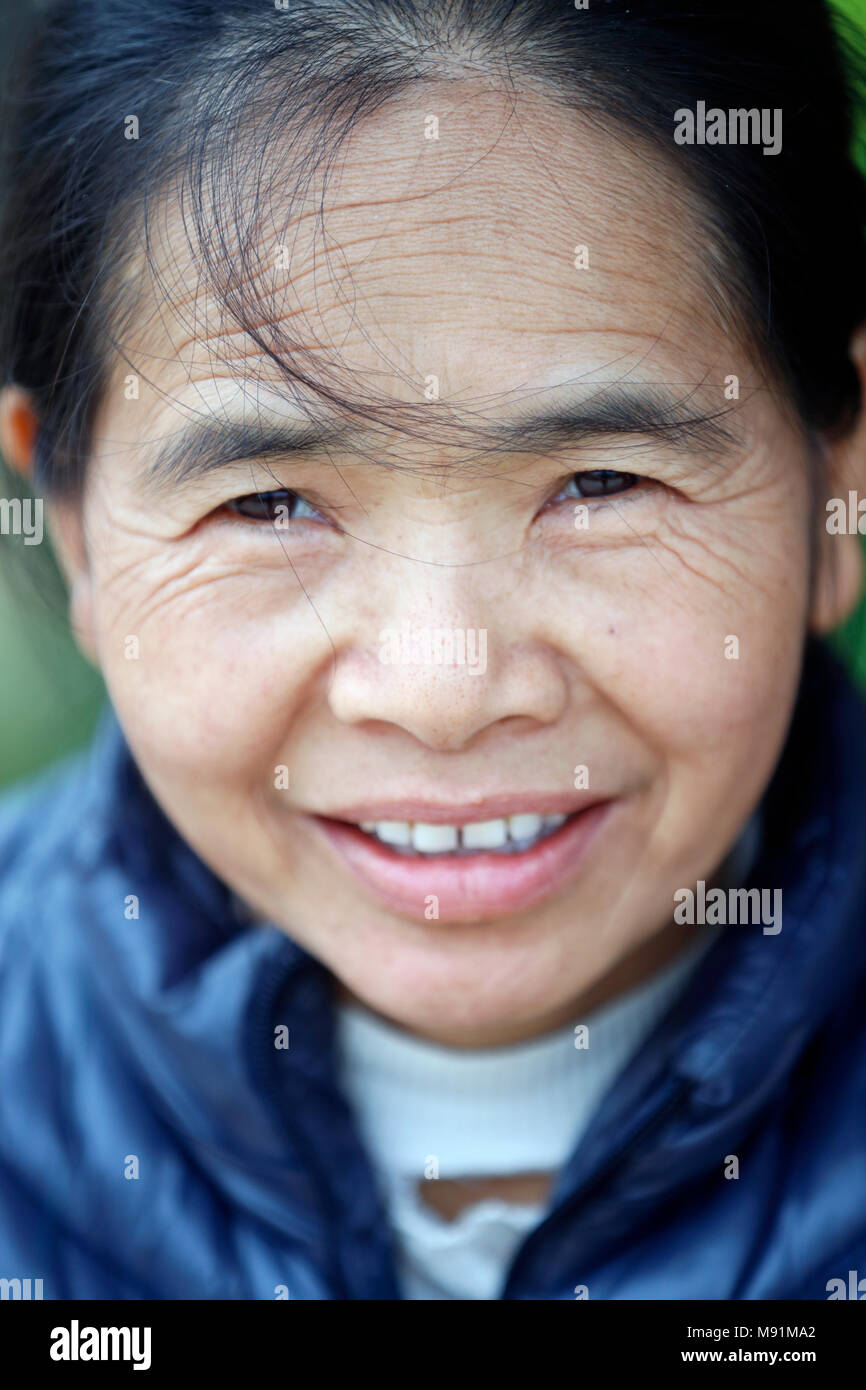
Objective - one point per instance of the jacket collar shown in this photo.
(726, 1049)
(782, 987)
(196, 994)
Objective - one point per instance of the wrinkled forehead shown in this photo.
(489, 242)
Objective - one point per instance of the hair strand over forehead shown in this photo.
(226, 94)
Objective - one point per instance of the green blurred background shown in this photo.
(49, 696)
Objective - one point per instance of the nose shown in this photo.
(445, 684)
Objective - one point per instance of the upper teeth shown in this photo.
(509, 832)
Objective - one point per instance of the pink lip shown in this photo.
(468, 888)
(480, 808)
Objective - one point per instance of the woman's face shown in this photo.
(268, 676)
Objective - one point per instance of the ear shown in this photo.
(838, 579)
(19, 429)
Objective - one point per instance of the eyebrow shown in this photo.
(645, 409)
(207, 446)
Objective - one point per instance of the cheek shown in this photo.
(692, 630)
(205, 663)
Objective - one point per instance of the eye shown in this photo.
(599, 482)
(276, 507)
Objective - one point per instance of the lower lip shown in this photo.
(467, 888)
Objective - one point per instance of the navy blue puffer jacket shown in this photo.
(146, 1046)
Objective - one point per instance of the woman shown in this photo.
(439, 410)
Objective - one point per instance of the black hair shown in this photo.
(215, 87)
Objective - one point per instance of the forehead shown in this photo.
(497, 243)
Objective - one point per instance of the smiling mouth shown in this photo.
(421, 840)
(464, 870)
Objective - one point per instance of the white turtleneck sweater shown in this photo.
(426, 1111)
